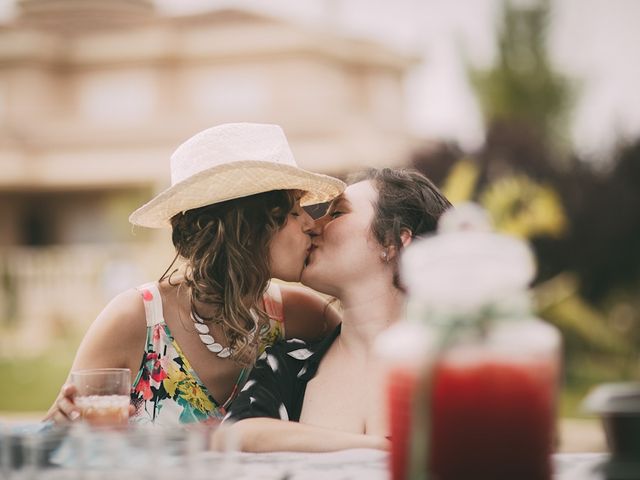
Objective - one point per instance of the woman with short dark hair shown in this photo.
(331, 392)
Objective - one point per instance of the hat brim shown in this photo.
(234, 180)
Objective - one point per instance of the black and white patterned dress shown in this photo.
(276, 385)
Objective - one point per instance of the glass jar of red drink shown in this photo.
(405, 350)
(481, 402)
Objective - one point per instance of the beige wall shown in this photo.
(88, 122)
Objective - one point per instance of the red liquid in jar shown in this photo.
(491, 420)
(400, 390)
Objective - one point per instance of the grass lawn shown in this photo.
(31, 384)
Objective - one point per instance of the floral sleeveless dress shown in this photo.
(166, 390)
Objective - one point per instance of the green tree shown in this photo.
(521, 90)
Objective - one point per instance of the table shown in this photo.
(578, 466)
(136, 455)
(372, 465)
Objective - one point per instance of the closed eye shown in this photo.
(336, 214)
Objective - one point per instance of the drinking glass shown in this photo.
(103, 395)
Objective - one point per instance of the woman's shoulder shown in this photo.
(307, 314)
(126, 305)
(124, 313)
(116, 337)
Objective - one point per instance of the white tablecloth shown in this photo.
(365, 465)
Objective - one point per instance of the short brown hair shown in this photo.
(407, 201)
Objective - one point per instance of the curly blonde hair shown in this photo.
(226, 248)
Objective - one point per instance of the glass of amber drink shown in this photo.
(103, 395)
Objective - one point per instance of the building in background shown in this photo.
(96, 94)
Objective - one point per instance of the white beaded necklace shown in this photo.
(210, 342)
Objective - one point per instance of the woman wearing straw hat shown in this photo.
(190, 339)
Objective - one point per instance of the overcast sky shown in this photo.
(594, 42)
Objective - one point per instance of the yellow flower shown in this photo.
(524, 208)
(269, 338)
(175, 376)
(193, 394)
(461, 181)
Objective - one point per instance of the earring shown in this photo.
(385, 256)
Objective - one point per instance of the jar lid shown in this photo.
(466, 266)
(611, 398)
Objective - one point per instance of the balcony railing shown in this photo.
(48, 292)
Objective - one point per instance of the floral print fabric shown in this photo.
(167, 391)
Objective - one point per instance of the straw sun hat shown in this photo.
(231, 161)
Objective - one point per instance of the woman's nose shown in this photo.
(307, 222)
(319, 224)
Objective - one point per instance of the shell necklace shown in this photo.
(210, 342)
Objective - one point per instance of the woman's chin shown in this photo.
(308, 276)
(317, 280)
(289, 275)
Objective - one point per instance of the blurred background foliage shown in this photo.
(583, 222)
(582, 219)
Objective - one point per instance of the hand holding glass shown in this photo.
(103, 395)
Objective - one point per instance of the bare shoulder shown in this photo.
(124, 313)
(307, 314)
(298, 296)
(117, 335)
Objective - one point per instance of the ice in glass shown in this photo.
(103, 395)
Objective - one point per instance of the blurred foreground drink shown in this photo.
(103, 395)
(493, 405)
(478, 400)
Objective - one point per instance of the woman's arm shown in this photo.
(269, 435)
(114, 340)
(273, 395)
(307, 315)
